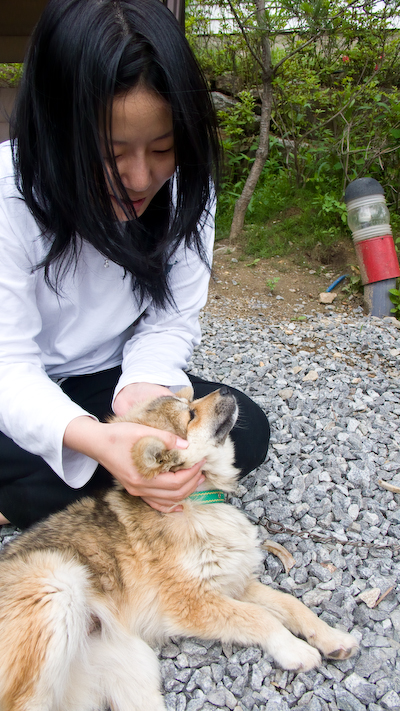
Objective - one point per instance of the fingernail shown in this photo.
(181, 443)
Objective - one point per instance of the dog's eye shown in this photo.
(191, 415)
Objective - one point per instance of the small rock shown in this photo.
(391, 700)
(315, 597)
(298, 688)
(308, 522)
(311, 375)
(257, 679)
(190, 647)
(370, 596)
(251, 654)
(327, 297)
(277, 704)
(230, 700)
(352, 424)
(295, 495)
(286, 393)
(222, 103)
(362, 689)
(347, 702)
(170, 651)
(217, 697)
(353, 511)
(195, 705)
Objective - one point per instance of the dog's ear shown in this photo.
(151, 457)
(186, 393)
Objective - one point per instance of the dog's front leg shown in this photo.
(215, 616)
(302, 621)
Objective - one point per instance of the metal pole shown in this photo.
(369, 221)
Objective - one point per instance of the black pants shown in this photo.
(30, 490)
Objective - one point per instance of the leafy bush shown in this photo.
(10, 74)
(394, 296)
(335, 114)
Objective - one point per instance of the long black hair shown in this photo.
(82, 54)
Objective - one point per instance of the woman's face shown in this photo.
(143, 145)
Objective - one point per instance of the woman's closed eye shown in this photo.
(164, 150)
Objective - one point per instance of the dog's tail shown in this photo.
(45, 620)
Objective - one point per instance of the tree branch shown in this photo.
(244, 34)
(312, 39)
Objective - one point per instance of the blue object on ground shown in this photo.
(335, 283)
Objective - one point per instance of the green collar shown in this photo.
(209, 496)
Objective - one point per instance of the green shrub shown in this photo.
(10, 74)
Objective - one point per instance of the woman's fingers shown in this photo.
(111, 445)
(182, 479)
(172, 492)
(172, 486)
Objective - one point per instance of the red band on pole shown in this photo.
(377, 259)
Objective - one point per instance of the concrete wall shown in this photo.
(7, 97)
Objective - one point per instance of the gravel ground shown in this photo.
(330, 386)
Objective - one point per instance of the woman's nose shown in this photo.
(135, 174)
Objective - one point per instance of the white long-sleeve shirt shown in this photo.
(87, 327)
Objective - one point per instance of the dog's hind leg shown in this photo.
(129, 671)
(44, 622)
(302, 621)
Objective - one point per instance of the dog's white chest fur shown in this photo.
(221, 548)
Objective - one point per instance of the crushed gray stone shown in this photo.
(330, 386)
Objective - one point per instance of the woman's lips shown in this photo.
(136, 204)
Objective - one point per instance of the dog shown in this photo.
(85, 594)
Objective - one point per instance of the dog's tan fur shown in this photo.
(84, 594)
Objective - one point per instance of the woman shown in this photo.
(106, 230)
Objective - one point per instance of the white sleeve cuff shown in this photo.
(78, 469)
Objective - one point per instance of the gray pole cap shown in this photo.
(361, 188)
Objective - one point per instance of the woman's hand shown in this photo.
(110, 444)
(137, 392)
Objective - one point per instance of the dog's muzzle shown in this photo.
(226, 411)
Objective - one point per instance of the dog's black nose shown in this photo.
(224, 390)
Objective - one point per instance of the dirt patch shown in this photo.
(279, 287)
(336, 256)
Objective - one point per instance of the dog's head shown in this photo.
(205, 423)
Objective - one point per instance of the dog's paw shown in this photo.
(151, 457)
(335, 644)
(295, 655)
